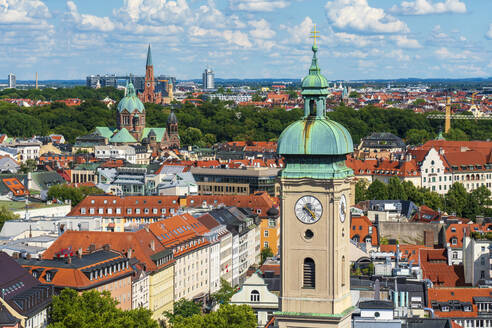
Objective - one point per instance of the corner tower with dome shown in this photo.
(131, 127)
(316, 190)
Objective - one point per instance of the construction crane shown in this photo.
(448, 116)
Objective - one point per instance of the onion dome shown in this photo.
(130, 101)
(172, 119)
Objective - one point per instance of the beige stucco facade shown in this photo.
(161, 292)
(328, 304)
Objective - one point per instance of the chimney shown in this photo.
(152, 245)
(69, 260)
(441, 151)
(92, 248)
(429, 238)
(79, 253)
(130, 253)
(106, 247)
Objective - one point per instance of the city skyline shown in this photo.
(360, 39)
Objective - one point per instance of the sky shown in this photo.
(359, 39)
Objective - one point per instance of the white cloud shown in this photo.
(154, 12)
(233, 37)
(262, 29)
(22, 11)
(358, 15)
(403, 42)
(357, 40)
(352, 54)
(257, 5)
(445, 53)
(89, 22)
(299, 33)
(488, 35)
(426, 7)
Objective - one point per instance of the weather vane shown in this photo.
(314, 34)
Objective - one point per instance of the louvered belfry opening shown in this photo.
(309, 273)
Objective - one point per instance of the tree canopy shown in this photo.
(74, 194)
(5, 215)
(227, 316)
(92, 309)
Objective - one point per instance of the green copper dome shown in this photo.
(315, 146)
(130, 101)
(315, 83)
(315, 136)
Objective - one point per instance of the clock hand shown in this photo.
(310, 212)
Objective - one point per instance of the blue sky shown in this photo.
(360, 39)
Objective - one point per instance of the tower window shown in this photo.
(344, 282)
(312, 107)
(255, 296)
(309, 273)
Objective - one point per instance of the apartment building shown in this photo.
(476, 260)
(184, 235)
(101, 270)
(156, 260)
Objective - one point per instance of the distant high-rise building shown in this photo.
(11, 81)
(208, 79)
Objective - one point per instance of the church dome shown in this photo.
(172, 119)
(315, 136)
(130, 101)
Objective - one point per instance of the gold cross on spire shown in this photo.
(314, 34)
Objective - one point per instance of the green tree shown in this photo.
(354, 94)
(94, 310)
(395, 189)
(266, 252)
(361, 190)
(224, 294)
(191, 136)
(419, 102)
(456, 135)
(456, 199)
(417, 136)
(227, 316)
(5, 215)
(74, 194)
(29, 166)
(184, 309)
(377, 191)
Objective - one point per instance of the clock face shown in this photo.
(342, 208)
(308, 209)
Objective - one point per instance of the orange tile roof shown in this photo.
(183, 233)
(408, 252)
(362, 225)
(142, 243)
(72, 275)
(460, 230)
(459, 294)
(145, 204)
(15, 186)
(435, 268)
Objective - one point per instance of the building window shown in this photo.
(255, 296)
(309, 276)
(82, 210)
(454, 241)
(128, 211)
(137, 211)
(455, 255)
(265, 244)
(265, 233)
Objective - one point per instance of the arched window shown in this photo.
(312, 107)
(309, 273)
(255, 296)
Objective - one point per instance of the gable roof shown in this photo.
(143, 243)
(105, 131)
(122, 136)
(159, 133)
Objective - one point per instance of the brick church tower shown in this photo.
(149, 95)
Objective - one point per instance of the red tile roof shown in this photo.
(142, 243)
(15, 186)
(458, 231)
(360, 226)
(459, 294)
(435, 268)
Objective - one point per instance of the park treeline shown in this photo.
(216, 121)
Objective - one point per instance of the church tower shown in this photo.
(172, 134)
(131, 113)
(316, 190)
(149, 95)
